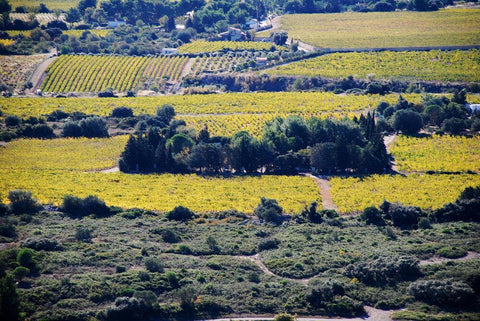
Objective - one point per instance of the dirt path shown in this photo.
(187, 68)
(324, 185)
(373, 315)
(438, 260)
(39, 72)
(256, 259)
(388, 141)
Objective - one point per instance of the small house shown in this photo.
(233, 34)
(252, 24)
(473, 108)
(261, 61)
(169, 51)
(114, 24)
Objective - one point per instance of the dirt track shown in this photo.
(39, 72)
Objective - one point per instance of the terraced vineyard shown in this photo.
(97, 73)
(426, 191)
(50, 178)
(446, 27)
(211, 46)
(437, 153)
(15, 70)
(417, 65)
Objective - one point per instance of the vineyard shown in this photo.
(97, 73)
(246, 103)
(211, 46)
(228, 62)
(426, 191)
(54, 168)
(66, 154)
(6, 42)
(15, 70)
(437, 153)
(78, 33)
(418, 65)
(42, 18)
(51, 4)
(448, 27)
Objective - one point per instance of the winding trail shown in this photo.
(324, 186)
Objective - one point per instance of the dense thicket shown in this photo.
(287, 146)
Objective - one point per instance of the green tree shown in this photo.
(9, 302)
(407, 121)
(22, 202)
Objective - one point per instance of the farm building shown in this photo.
(233, 34)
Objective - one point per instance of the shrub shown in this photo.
(122, 112)
(154, 265)
(404, 216)
(94, 127)
(424, 223)
(12, 121)
(169, 236)
(323, 292)
(284, 317)
(269, 244)
(77, 207)
(71, 129)
(269, 211)
(40, 244)
(120, 269)
(7, 229)
(384, 269)
(443, 293)
(180, 213)
(38, 131)
(454, 126)
(83, 234)
(57, 115)
(371, 215)
(126, 308)
(26, 258)
(20, 272)
(451, 252)
(22, 202)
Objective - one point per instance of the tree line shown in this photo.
(287, 146)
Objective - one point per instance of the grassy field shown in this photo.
(425, 191)
(51, 4)
(52, 169)
(446, 27)
(432, 65)
(437, 153)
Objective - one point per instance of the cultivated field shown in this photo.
(15, 70)
(51, 4)
(97, 73)
(426, 191)
(413, 65)
(210, 46)
(52, 169)
(7, 42)
(285, 102)
(447, 27)
(437, 153)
